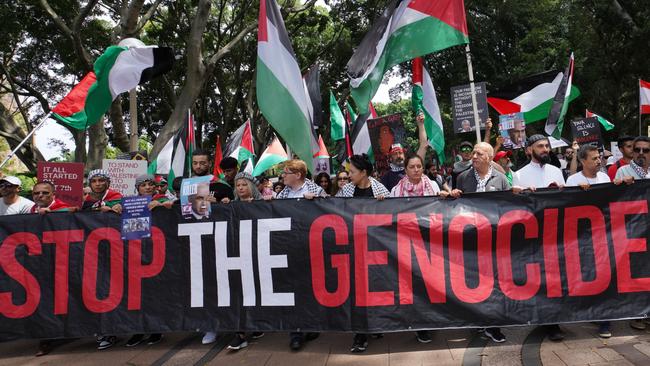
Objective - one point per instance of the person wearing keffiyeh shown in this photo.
(640, 164)
(416, 183)
(101, 197)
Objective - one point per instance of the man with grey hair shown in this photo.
(589, 157)
(481, 177)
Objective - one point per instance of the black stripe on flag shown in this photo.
(275, 17)
(163, 61)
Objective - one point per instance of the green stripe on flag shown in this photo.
(99, 97)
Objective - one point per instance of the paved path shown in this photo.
(525, 346)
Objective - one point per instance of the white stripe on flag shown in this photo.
(430, 102)
(127, 69)
(539, 94)
(164, 159)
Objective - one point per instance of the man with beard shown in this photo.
(219, 190)
(638, 167)
(397, 154)
(538, 173)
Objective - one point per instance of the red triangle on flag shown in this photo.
(322, 152)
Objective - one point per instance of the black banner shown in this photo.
(487, 259)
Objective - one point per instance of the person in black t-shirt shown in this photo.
(220, 190)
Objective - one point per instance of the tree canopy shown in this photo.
(50, 44)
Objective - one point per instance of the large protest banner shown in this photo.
(463, 110)
(68, 180)
(486, 259)
(384, 132)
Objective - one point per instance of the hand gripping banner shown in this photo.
(488, 259)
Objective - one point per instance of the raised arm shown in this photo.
(422, 137)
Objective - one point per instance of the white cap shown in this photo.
(12, 180)
(611, 160)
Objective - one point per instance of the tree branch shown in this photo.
(145, 18)
(228, 47)
(56, 18)
(16, 96)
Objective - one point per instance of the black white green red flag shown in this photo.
(118, 70)
(555, 119)
(240, 144)
(406, 29)
(425, 101)
(281, 93)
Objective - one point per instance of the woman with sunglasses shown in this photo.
(342, 178)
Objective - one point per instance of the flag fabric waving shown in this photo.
(607, 125)
(175, 158)
(218, 156)
(533, 96)
(322, 151)
(424, 101)
(555, 119)
(360, 136)
(281, 94)
(312, 86)
(240, 144)
(118, 70)
(644, 97)
(273, 155)
(337, 122)
(405, 30)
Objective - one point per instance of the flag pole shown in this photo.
(133, 111)
(640, 132)
(13, 152)
(470, 71)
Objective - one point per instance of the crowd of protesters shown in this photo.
(480, 167)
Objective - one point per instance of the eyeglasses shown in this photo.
(44, 193)
(641, 151)
(287, 172)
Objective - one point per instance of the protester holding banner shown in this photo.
(465, 150)
(45, 200)
(296, 183)
(294, 177)
(101, 197)
(539, 173)
(638, 167)
(416, 183)
(362, 184)
(481, 177)
(589, 157)
(220, 190)
(11, 203)
(162, 187)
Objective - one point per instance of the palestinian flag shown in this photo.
(353, 114)
(175, 158)
(312, 86)
(273, 155)
(322, 150)
(555, 119)
(281, 94)
(118, 70)
(360, 136)
(532, 95)
(240, 144)
(644, 97)
(407, 29)
(607, 125)
(424, 101)
(337, 122)
(70, 110)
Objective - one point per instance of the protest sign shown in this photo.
(341, 265)
(194, 197)
(462, 107)
(512, 128)
(586, 131)
(616, 153)
(321, 165)
(123, 174)
(385, 131)
(67, 179)
(136, 217)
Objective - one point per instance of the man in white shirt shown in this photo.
(590, 159)
(11, 203)
(538, 173)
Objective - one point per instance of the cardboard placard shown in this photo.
(123, 174)
(586, 131)
(462, 107)
(67, 179)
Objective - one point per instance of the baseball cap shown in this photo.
(396, 148)
(502, 154)
(12, 180)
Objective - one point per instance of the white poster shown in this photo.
(123, 174)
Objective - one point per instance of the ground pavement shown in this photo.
(525, 346)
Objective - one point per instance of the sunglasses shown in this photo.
(466, 149)
(640, 150)
(343, 178)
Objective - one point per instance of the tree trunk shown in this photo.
(14, 134)
(97, 145)
(120, 137)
